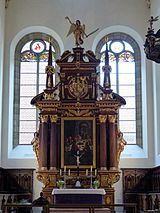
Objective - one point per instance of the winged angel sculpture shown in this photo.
(78, 31)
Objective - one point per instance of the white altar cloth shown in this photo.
(78, 191)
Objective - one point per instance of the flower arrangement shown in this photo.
(60, 184)
(96, 184)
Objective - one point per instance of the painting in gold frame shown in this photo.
(78, 142)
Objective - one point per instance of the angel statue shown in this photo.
(78, 30)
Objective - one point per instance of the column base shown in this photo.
(53, 169)
(113, 168)
(103, 168)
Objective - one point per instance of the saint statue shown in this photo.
(78, 30)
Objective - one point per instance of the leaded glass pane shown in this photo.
(41, 88)
(127, 79)
(29, 91)
(44, 57)
(27, 114)
(117, 47)
(127, 114)
(113, 79)
(27, 67)
(127, 126)
(27, 126)
(27, 79)
(38, 46)
(125, 67)
(26, 47)
(127, 90)
(126, 57)
(28, 57)
(42, 79)
(26, 138)
(128, 47)
(130, 102)
(42, 67)
(112, 57)
(25, 102)
(130, 137)
(47, 46)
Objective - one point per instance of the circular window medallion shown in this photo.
(38, 46)
(117, 47)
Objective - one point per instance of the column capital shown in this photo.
(112, 118)
(53, 118)
(44, 118)
(102, 118)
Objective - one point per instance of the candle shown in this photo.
(91, 169)
(86, 172)
(65, 169)
(95, 172)
(69, 172)
(60, 172)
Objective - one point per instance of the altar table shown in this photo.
(77, 196)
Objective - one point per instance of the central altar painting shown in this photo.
(78, 142)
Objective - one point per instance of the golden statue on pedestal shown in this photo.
(78, 30)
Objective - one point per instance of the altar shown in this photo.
(78, 196)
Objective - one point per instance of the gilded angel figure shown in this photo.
(78, 31)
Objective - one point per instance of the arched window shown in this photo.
(31, 58)
(125, 60)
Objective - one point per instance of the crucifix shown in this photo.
(78, 184)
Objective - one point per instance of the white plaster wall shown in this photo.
(155, 11)
(2, 19)
(24, 15)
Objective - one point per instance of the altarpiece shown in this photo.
(78, 132)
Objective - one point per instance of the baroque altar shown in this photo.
(78, 137)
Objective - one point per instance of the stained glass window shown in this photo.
(31, 60)
(125, 80)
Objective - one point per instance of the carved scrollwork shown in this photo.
(48, 179)
(44, 179)
(109, 179)
(78, 113)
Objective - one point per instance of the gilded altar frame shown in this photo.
(78, 134)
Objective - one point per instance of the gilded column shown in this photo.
(43, 144)
(53, 144)
(103, 142)
(112, 141)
